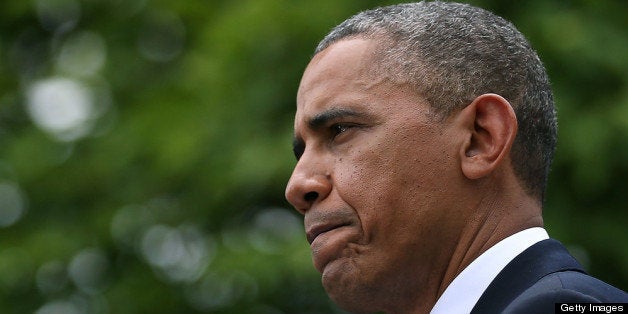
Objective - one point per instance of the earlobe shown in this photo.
(492, 126)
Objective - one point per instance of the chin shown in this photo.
(347, 286)
(354, 300)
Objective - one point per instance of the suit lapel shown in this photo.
(541, 259)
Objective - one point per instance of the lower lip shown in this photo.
(329, 246)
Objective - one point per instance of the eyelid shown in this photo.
(342, 125)
(298, 147)
(345, 127)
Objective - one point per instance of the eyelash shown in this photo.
(338, 129)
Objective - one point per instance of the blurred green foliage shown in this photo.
(145, 145)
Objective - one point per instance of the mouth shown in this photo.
(317, 230)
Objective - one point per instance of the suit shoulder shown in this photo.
(565, 287)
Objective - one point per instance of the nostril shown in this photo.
(310, 196)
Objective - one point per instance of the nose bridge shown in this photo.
(309, 183)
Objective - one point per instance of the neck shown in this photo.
(495, 217)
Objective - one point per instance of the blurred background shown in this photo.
(145, 146)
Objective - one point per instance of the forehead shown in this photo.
(339, 76)
(344, 59)
(346, 75)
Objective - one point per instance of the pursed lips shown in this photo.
(318, 229)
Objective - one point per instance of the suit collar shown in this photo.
(543, 258)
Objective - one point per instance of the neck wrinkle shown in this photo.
(476, 237)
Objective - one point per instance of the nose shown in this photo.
(308, 184)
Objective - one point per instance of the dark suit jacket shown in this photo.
(541, 276)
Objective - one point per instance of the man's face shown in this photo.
(374, 179)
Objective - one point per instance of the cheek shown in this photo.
(391, 167)
(361, 176)
(393, 184)
(375, 182)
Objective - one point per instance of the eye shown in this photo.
(339, 128)
(298, 147)
(341, 132)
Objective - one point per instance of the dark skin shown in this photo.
(395, 202)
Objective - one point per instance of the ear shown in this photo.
(492, 126)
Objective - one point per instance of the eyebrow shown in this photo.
(323, 118)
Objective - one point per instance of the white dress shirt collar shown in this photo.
(465, 290)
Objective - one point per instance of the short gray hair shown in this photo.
(451, 53)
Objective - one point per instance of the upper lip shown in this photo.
(316, 230)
